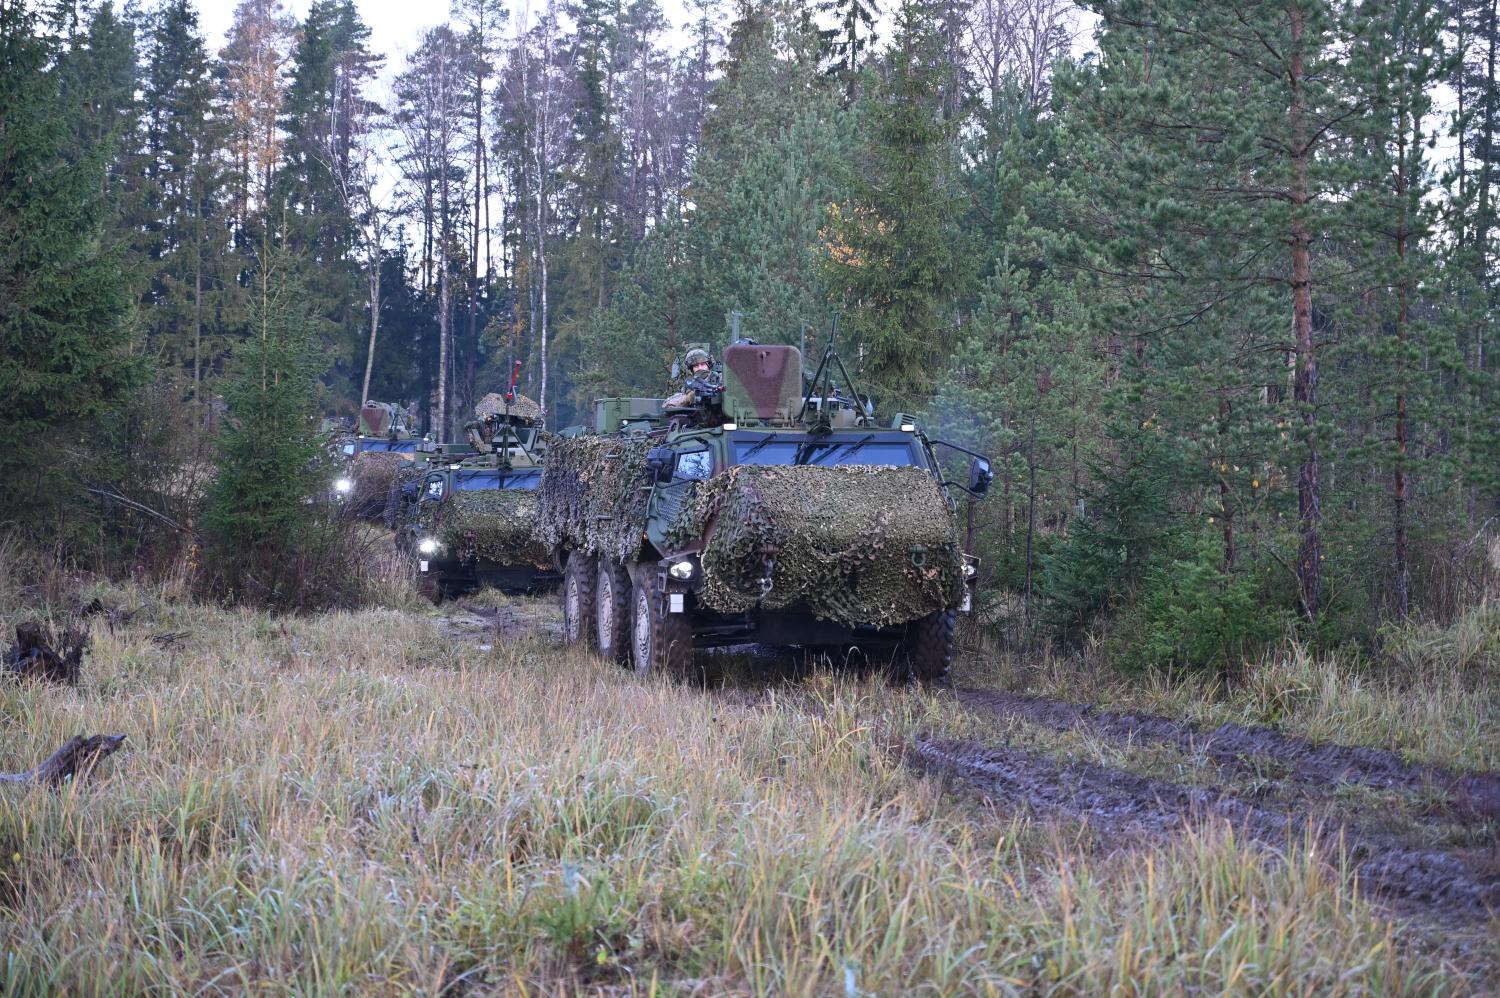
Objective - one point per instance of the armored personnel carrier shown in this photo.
(466, 518)
(772, 510)
(373, 456)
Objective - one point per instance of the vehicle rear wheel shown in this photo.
(927, 652)
(578, 600)
(612, 611)
(659, 641)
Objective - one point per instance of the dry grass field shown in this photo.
(405, 800)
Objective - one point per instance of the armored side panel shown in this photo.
(762, 383)
(612, 413)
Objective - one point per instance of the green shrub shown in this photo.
(1190, 614)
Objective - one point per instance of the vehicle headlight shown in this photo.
(428, 545)
(970, 569)
(731, 426)
(681, 570)
(908, 427)
(343, 486)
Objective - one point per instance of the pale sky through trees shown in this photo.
(396, 25)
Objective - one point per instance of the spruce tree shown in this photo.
(257, 517)
(64, 331)
(896, 256)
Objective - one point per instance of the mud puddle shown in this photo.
(485, 626)
(1470, 797)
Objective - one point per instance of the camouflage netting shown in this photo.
(491, 525)
(854, 545)
(594, 496)
(493, 404)
(372, 475)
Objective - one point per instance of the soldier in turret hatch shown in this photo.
(701, 379)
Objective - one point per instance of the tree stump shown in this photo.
(77, 758)
(39, 653)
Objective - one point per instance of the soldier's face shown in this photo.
(700, 368)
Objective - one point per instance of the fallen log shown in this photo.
(39, 653)
(76, 759)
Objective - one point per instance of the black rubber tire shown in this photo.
(612, 611)
(429, 586)
(578, 601)
(660, 642)
(927, 652)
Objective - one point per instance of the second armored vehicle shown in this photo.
(467, 521)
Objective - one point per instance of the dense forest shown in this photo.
(1216, 284)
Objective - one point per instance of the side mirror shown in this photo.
(660, 460)
(675, 369)
(980, 475)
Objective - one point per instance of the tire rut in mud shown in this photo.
(1470, 796)
(1122, 808)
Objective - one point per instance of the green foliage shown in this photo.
(1191, 614)
(1111, 544)
(65, 335)
(267, 540)
(895, 254)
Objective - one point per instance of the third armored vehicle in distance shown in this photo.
(466, 520)
(768, 512)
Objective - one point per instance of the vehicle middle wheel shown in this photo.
(578, 600)
(612, 611)
(659, 641)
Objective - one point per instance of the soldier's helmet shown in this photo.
(696, 356)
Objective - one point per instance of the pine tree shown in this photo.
(848, 44)
(64, 334)
(1216, 122)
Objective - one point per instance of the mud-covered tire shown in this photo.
(578, 601)
(430, 587)
(660, 642)
(612, 611)
(926, 653)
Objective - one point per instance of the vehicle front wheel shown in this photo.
(578, 600)
(927, 652)
(612, 611)
(430, 588)
(659, 641)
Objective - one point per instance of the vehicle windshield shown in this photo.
(474, 481)
(388, 446)
(526, 478)
(896, 452)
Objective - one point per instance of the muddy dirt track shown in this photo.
(1439, 859)
(1442, 863)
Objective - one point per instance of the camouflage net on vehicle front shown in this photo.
(593, 496)
(855, 545)
(372, 474)
(491, 525)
